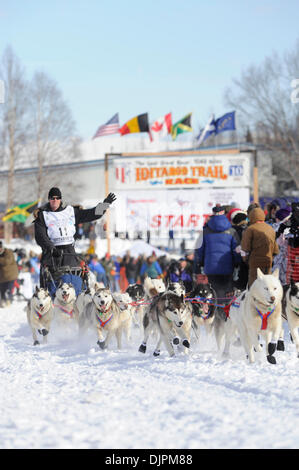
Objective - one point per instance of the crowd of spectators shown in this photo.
(234, 242)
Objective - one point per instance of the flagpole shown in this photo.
(108, 212)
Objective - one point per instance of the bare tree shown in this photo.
(262, 98)
(53, 128)
(13, 124)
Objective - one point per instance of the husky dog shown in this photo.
(258, 312)
(137, 294)
(292, 312)
(104, 315)
(40, 314)
(166, 315)
(153, 287)
(65, 303)
(124, 302)
(203, 312)
(176, 287)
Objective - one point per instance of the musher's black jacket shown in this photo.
(68, 256)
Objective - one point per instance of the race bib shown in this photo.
(61, 226)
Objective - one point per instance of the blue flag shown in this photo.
(225, 123)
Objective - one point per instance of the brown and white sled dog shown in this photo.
(40, 314)
(104, 316)
(165, 315)
(153, 287)
(257, 312)
(292, 312)
(64, 304)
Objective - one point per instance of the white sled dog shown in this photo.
(104, 316)
(258, 312)
(165, 315)
(65, 304)
(40, 314)
(124, 302)
(292, 312)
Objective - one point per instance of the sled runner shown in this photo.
(52, 276)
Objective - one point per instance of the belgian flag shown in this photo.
(137, 124)
(184, 125)
(20, 213)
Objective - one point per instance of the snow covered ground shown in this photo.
(71, 395)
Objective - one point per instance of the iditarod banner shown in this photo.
(180, 210)
(191, 171)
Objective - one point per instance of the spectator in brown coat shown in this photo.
(8, 274)
(258, 245)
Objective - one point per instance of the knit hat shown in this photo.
(218, 208)
(231, 212)
(238, 215)
(281, 214)
(54, 192)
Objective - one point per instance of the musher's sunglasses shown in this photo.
(55, 197)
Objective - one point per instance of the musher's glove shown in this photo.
(110, 198)
(56, 253)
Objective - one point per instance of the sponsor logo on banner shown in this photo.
(183, 172)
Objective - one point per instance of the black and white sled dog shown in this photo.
(40, 314)
(137, 295)
(203, 307)
(176, 287)
(292, 312)
(257, 313)
(105, 317)
(64, 304)
(166, 316)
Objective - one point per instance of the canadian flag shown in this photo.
(162, 126)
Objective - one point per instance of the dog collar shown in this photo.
(264, 317)
(70, 313)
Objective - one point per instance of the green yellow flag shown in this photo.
(20, 213)
(184, 125)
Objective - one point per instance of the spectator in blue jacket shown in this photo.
(217, 255)
(151, 268)
(96, 267)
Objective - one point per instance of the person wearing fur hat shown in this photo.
(55, 227)
(258, 245)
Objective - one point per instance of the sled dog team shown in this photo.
(167, 315)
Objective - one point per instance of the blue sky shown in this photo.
(136, 56)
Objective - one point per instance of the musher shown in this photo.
(55, 228)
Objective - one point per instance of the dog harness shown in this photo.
(39, 316)
(70, 313)
(103, 323)
(264, 317)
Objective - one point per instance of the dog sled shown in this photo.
(53, 276)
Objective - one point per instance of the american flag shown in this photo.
(111, 127)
